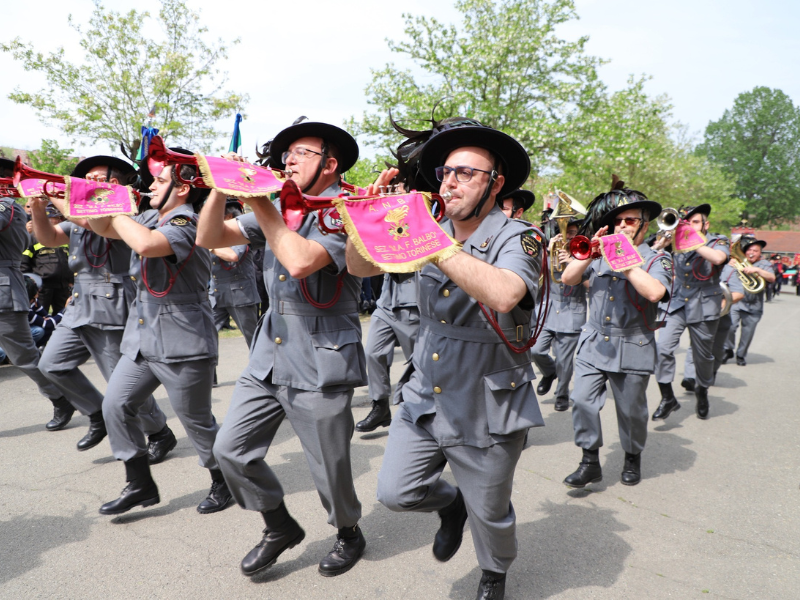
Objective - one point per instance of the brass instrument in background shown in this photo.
(567, 209)
(754, 284)
(667, 222)
(7, 189)
(728, 297)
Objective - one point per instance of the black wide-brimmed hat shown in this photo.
(690, 211)
(468, 132)
(617, 201)
(6, 167)
(344, 142)
(749, 240)
(87, 164)
(527, 197)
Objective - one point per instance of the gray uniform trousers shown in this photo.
(409, 480)
(563, 345)
(385, 331)
(322, 421)
(69, 348)
(589, 397)
(749, 322)
(188, 386)
(16, 341)
(720, 338)
(245, 317)
(702, 336)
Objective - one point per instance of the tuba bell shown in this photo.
(754, 284)
(567, 209)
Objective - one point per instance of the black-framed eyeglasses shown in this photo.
(463, 173)
(629, 221)
(300, 154)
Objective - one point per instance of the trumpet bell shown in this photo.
(159, 156)
(668, 220)
(582, 248)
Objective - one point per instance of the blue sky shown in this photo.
(314, 57)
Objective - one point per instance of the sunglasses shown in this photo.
(629, 221)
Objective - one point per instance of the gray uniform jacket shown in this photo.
(696, 285)
(102, 289)
(234, 283)
(14, 239)
(618, 338)
(177, 327)
(399, 291)
(303, 346)
(730, 276)
(754, 303)
(566, 311)
(461, 371)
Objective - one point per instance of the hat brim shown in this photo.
(515, 160)
(703, 209)
(6, 167)
(653, 209)
(344, 142)
(528, 198)
(87, 164)
(761, 243)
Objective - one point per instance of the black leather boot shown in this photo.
(379, 416)
(545, 384)
(492, 586)
(96, 433)
(728, 354)
(562, 403)
(451, 532)
(632, 471)
(140, 491)
(347, 549)
(688, 384)
(219, 498)
(701, 393)
(282, 532)
(669, 403)
(62, 414)
(589, 470)
(160, 444)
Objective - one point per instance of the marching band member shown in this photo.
(169, 338)
(15, 333)
(749, 310)
(517, 203)
(467, 400)
(95, 321)
(307, 356)
(695, 304)
(618, 341)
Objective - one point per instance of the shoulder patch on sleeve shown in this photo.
(666, 263)
(178, 221)
(531, 242)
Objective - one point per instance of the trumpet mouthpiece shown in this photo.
(146, 194)
(288, 172)
(448, 195)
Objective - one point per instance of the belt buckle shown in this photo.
(520, 332)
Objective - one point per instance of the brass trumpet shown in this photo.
(667, 222)
(7, 189)
(22, 171)
(582, 248)
(754, 284)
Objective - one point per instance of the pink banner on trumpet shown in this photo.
(619, 252)
(31, 188)
(686, 239)
(239, 179)
(396, 233)
(91, 199)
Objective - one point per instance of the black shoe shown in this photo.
(96, 433)
(282, 532)
(588, 471)
(688, 384)
(562, 403)
(160, 444)
(632, 471)
(666, 408)
(140, 491)
(545, 384)
(215, 383)
(347, 549)
(741, 362)
(701, 407)
(219, 498)
(727, 356)
(379, 416)
(492, 586)
(62, 414)
(451, 532)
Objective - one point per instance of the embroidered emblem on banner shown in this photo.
(248, 174)
(100, 195)
(397, 217)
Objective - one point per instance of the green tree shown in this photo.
(503, 65)
(757, 142)
(52, 159)
(124, 73)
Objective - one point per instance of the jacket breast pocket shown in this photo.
(638, 354)
(182, 330)
(6, 298)
(108, 305)
(339, 357)
(712, 302)
(510, 400)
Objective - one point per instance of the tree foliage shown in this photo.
(757, 142)
(52, 159)
(503, 65)
(124, 73)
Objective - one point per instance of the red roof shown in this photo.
(780, 241)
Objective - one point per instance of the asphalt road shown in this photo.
(716, 514)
